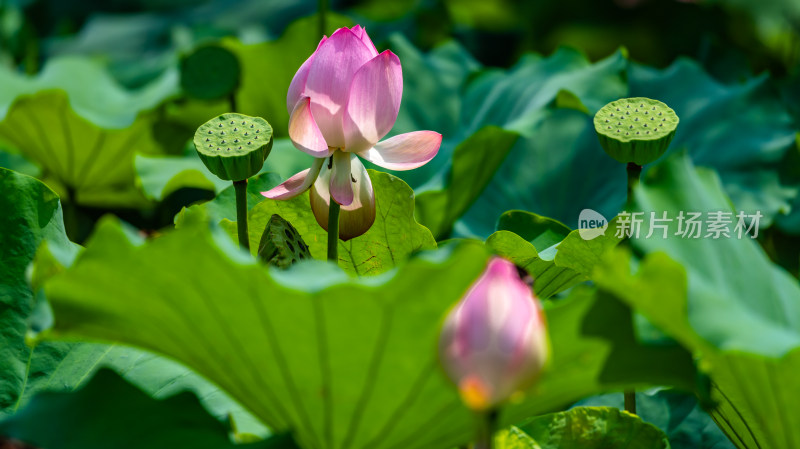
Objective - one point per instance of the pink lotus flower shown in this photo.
(494, 342)
(343, 100)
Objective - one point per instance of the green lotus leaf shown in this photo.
(558, 168)
(32, 214)
(393, 237)
(159, 176)
(593, 428)
(678, 414)
(513, 438)
(558, 258)
(121, 416)
(474, 162)
(82, 128)
(744, 329)
(341, 361)
(34, 218)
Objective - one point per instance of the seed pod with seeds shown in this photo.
(281, 244)
(233, 162)
(649, 131)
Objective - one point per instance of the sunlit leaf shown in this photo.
(744, 327)
(81, 128)
(342, 361)
(393, 237)
(108, 412)
(594, 428)
(557, 257)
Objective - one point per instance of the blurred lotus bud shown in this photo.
(494, 342)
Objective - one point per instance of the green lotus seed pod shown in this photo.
(211, 72)
(281, 244)
(636, 130)
(234, 146)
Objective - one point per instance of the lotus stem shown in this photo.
(323, 9)
(70, 211)
(630, 401)
(241, 213)
(487, 423)
(634, 171)
(333, 231)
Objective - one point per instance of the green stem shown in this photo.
(323, 10)
(630, 401)
(333, 231)
(487, 423)
(232, 101)
(70, 209)
(241, 213)
(634, 173)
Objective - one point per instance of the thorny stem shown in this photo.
(333, 230)
(241, 213)
(634, 172)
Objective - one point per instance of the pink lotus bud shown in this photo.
(494, 342)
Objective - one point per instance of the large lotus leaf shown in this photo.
(474, 162)
(33, 217)
(163, 28)
(557, 257)
(515, 99)
(393, 237)
(519, 100)
(594, 428)
(342, 361)
(66, 366)
(432, 85)
(108, 412)
(268, 68)
(678, 414)
(539, 173)
(81, 128)
(93, 94)
(742, 130)
(31, 214)
(746, 329)
(159, 176)
(557, 173)
(513, 438)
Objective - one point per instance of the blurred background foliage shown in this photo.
(99, 99)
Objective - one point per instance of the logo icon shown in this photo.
(591, 224)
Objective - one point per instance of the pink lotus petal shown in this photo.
(329, 79)
(297, 184)
(374, 101)
(355, 219)
(298, 86)
(361, 32)
(405, 151)
(305, 133)
(494, 342)
(341, 185)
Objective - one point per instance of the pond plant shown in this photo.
(396, 263)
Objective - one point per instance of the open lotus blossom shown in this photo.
(343, 100)
(494, 342)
